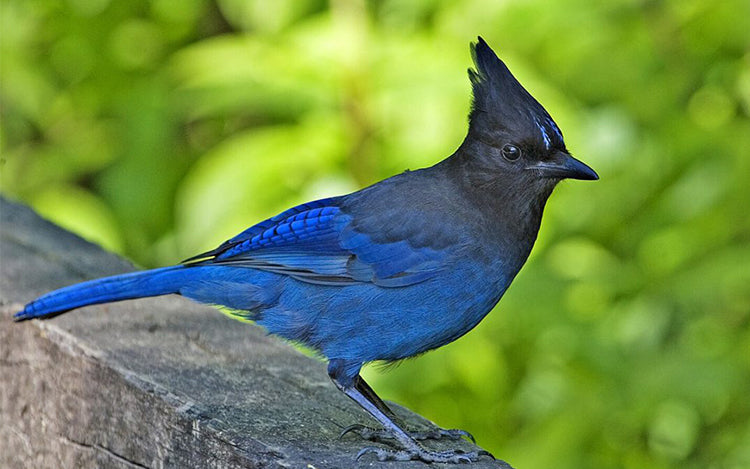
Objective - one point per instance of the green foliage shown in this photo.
(160, 128)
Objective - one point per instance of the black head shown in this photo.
(510, 131)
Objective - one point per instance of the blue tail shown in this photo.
(104, 290)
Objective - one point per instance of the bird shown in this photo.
(390, 271)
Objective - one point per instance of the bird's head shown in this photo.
(510, 133)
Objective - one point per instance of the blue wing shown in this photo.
(318, 242)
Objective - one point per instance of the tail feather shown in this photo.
(104, 290)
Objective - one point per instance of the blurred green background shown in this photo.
(160, 128)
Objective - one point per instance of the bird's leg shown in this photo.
(363, 395)
(379, 435)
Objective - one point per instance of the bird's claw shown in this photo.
(452, 456)
(378, 435)
(452, 433)
(357, 428)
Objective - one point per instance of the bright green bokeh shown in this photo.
(160, 128)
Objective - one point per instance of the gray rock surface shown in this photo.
(154, 383)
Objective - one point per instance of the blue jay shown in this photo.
(391, 271)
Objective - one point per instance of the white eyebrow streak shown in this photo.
(555, 128)
(545, 137)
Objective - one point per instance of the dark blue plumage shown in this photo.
(393, 270)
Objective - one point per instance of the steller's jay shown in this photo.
(388, 272)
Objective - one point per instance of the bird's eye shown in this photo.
(511, 152)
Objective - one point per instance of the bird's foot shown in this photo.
(419, 454)
(380, 435)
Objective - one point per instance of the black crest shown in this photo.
(501, 101)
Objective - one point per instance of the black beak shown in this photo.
(564, 166)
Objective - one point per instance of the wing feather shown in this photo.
(318, 243)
